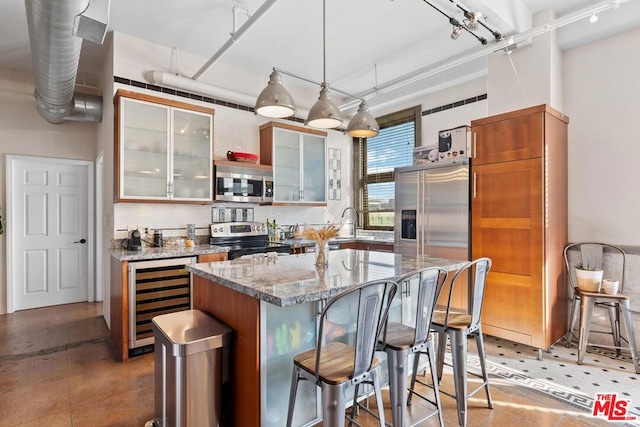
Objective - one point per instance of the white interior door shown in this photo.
(49, 231)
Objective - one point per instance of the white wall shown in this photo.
(106, 147)
(24, 132)
(529, 76)
(601, 92)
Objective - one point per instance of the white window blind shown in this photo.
(391, 148)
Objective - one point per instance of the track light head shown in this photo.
(457, 29)
(471, 21)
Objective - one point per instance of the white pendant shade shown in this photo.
(324, 114)
(363, 124)
(274, 100)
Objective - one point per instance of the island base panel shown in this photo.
(242, 314)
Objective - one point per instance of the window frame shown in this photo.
(360, 146)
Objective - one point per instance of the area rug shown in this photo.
(558, 374)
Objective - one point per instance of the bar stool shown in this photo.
(618, 304)
(458, 324)
(335, 366)
(400, 340)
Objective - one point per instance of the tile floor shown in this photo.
(57, 368)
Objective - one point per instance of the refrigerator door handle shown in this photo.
(475, 135)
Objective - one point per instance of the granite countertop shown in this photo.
(149, 253)
(293, 279)
(298, 242)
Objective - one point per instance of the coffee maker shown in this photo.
(134, 242)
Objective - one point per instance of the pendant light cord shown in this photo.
(324, 41)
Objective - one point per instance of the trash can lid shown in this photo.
(191, 331)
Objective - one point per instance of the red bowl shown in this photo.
(237, 156)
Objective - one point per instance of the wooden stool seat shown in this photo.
(336, 362)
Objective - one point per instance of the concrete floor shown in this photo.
(57, 368)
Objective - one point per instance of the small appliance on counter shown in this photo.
(134, 242)
(454, 144)
(157, 238)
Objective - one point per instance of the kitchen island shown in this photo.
(272, 305)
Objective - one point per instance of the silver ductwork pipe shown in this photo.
(55, 52)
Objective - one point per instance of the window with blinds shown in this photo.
(378, 156)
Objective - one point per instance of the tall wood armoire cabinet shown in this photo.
(519, 220)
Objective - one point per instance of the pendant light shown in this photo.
(324, 114)
(274, 100)
(363, 124)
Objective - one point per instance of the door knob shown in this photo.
(81, 241)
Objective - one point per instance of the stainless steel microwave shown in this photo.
(242, 184)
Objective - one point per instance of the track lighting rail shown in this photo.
(470, 17)
(468, 14)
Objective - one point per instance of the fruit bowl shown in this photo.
(237, 156)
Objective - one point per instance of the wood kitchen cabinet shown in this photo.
(222, 256)
(298, 157)
(519, 220)
(163, 150)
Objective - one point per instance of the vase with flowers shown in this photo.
(321, 237)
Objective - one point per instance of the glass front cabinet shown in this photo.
(298, 157)
(163, 150)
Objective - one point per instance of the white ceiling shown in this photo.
(368, 42)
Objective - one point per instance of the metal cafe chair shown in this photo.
(400, 340)
(458, 324)
(335, 366)
(618, 304)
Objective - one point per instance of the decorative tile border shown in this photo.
(194, 96)
(455, 104)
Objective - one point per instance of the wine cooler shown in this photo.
(156, 287)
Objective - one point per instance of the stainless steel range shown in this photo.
(244, 238)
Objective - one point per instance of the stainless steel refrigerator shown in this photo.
(432, 210)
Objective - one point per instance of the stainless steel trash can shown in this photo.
(191, 369)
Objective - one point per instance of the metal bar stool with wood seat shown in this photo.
(618, 305)
(334, 366)
(399, 340)
(458, 323)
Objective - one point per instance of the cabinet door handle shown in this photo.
(475, 148)
(475, 185)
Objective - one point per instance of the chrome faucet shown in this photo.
(354, 226)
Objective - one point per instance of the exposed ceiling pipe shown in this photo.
(176, 81)
(509, 42)
(235, 11)
(54, 29)
(236, 36)
(166, 79)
